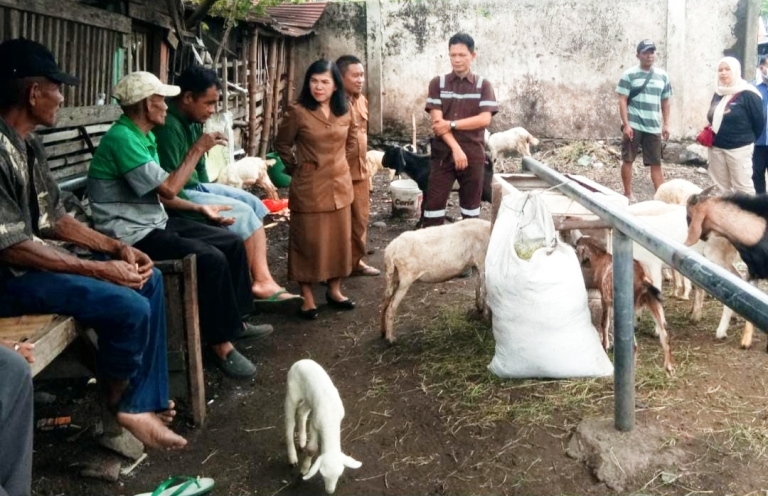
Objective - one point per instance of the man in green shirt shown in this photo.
(182, 129)
(126, 185)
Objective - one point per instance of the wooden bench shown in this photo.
(71, 143)
(52, 334)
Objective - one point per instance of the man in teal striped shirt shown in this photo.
(644, 93)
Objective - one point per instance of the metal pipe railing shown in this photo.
(742, 297)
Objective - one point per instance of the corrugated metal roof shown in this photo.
(291, 19)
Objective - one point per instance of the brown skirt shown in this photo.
(319, 245)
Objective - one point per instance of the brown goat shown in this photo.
(647, 295)
(742, 220)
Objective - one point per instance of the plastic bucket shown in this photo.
(406, 198)
(277, 173)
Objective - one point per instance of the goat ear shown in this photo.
(695, 225)
(708, 191)
(351, 462)
(314, 468)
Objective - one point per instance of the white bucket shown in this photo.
(406, 198)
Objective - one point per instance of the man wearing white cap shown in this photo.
(125, 184)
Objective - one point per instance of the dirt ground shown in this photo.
(426, 417)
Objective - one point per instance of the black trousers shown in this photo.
(759, 167)
(223, 280)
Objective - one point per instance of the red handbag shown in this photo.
(706, 137)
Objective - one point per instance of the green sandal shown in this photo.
(190, 486)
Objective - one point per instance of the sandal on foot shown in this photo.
(274, 301)
(182, 486)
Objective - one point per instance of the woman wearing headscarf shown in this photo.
(314, 140)
(737, 118)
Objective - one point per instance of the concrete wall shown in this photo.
(554, 63)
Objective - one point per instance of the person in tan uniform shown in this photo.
(353, 75)
(324, 134)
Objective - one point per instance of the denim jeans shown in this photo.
(130, 325)
(15, 424)
(247, 209)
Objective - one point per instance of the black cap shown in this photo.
(22, 58)
(645, 45)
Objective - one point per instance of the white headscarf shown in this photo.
(738, 84)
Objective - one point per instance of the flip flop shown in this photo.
(274, 301)
(189, 486)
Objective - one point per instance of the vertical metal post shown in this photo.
(623, 332)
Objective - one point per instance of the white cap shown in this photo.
(137, 86)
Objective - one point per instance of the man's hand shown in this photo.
(629, 133)
(460, 159)
(120, 272)
(213, 213)
(138, 259)
(665, 132)
(440, 127)
(26, 350)
(209, 140)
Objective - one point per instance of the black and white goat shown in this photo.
(742, 220)
(417, 168)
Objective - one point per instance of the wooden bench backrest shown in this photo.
(70, 144)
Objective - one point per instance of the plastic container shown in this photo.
(275, 205)
(406, 198)
(277, 173)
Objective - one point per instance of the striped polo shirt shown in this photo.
(645, 108)
(122, 180)
(459, 98)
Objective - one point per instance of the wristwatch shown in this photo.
(453, 125)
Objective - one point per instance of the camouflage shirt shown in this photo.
(30, 201)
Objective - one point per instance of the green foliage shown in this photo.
(764, 8)
(242, 8)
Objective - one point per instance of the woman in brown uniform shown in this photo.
(323, 132)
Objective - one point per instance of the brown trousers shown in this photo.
(360, 210)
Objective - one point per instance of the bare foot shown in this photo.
(150, 430)
(167, 415)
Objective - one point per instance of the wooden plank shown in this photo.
(71, 160)
(83, 116)
(52, 340)
(148, 13)
(57, 136)
(192, 327)
(76, 12)
(23, 327)
(71, 172)
(72, 45)
(71, 147)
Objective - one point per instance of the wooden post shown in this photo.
(253, 143)
(290, 89)
(279, 68)
(374, 68)
(272, 78)
(192, 327)
(225, 80)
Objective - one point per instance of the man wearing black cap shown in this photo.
(644, 93)
(119, 295)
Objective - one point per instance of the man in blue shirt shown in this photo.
(760, 155)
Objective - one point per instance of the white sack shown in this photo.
(541, 321)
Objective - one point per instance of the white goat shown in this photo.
(247, 172)
(516, 139)
(434, 254)
(373, 165)
(742, 220)
(311, 390)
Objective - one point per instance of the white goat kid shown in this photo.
(434, 254)
(310, 390)
(373, 165)
(516, 139)
(247, 172)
